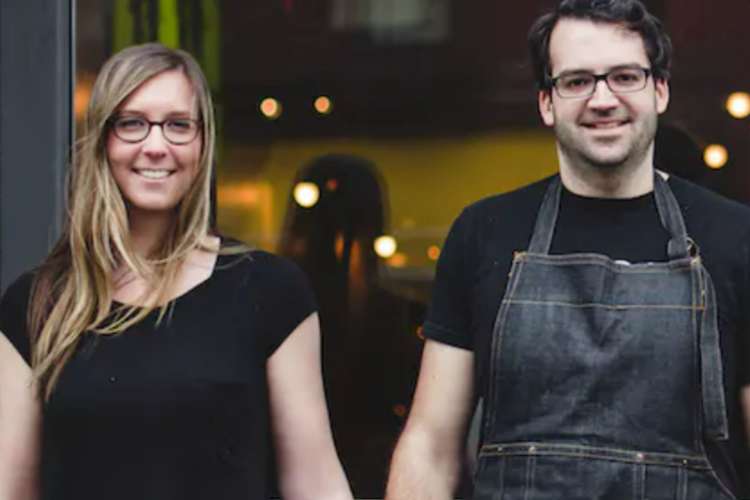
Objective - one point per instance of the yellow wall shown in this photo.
(428, 181)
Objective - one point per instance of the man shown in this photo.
(601, 314)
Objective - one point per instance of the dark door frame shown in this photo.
(36, 127)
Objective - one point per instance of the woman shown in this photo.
(147, 357)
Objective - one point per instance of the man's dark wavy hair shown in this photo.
(631, 14)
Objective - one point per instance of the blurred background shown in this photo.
(352, 132)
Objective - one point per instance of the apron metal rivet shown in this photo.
(532, 449)
(639, 457)
(684, 462)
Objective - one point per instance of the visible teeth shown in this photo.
(154, 174)
(607, 125)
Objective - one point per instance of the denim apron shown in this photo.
(605, 376)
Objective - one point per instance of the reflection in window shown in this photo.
(369, 327)
(394, 21)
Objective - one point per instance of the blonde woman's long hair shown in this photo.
(72, 289)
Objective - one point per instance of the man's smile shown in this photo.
(605, 124)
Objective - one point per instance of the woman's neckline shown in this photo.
(215, 265)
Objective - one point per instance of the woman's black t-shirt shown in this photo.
(177, 410)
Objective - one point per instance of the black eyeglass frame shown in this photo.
(111, 122)
(647, 72)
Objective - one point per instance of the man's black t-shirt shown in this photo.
(476, 259)
(176, 411)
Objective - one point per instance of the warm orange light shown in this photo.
(238, 194)
(81, 99)
(332, 184)
(323, 105)
(385, 246)
(338, 246)
(433, 252)
(270, 107)
(400, 410)
(250, 199)
(738, 105)
(82, 94)
(398, 260)
(716, 156)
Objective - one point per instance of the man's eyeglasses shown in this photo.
(583, 84)
(135, 129)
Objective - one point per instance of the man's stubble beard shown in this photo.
(578, 158)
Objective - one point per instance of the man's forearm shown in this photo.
(422, 472)
(18, 485)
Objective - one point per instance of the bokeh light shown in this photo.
(398, 260)
(323, 105)
(306, 194)
(385, 246)
(400, 410)
(716, 156)
(738, 105)
(433, 252)
(270, 108)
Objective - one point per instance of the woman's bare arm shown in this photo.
(308, 466)
(20, 427)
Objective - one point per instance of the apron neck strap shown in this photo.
(669, 211)
(671, 218)
(546, 218)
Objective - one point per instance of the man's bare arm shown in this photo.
(428, 459)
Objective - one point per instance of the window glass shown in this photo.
(341, 122)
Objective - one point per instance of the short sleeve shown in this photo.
(13, 308)
(449, 316)
(286, 296)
